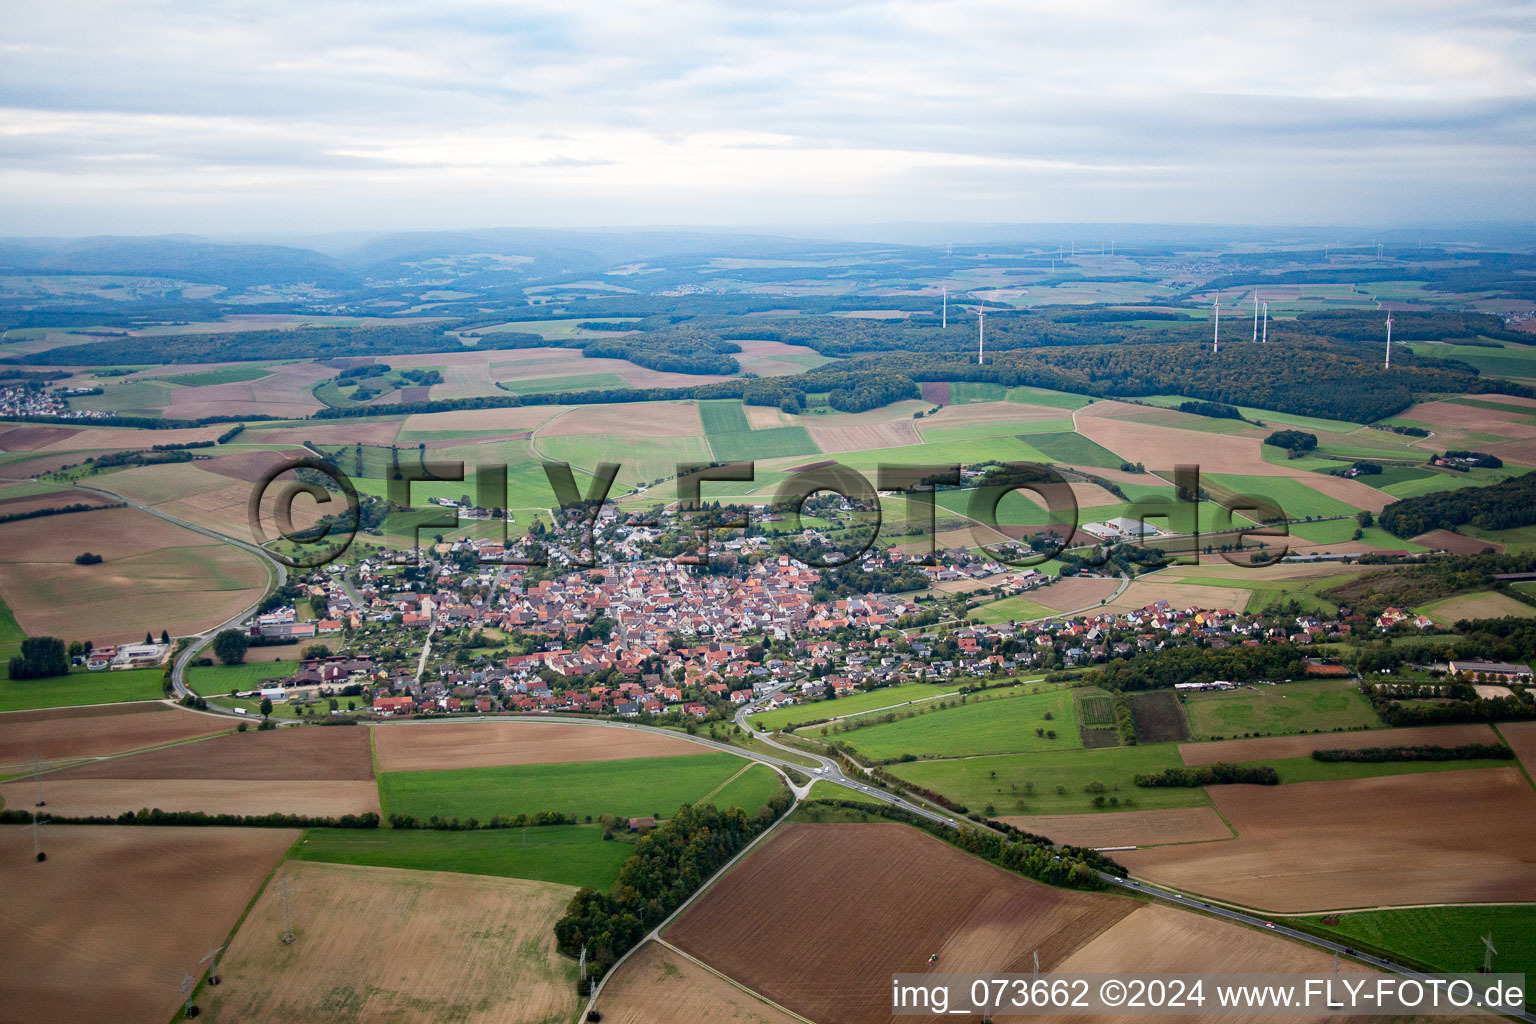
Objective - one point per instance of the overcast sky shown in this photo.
(213, 117)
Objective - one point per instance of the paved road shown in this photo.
(179, 671)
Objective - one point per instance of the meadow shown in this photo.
(1441, 938)
(79, 688)
(871, 700)
(1280, 709)
(985, 724)
(238, 374)
(634, 788)
(565, 854)
(1055, 782)
(1011, 609)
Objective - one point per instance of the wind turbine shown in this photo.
(945, 323)
(1216, 331)
(1255, 316)
(1389, 340)
(981, 336)
(1265, 338)
(1488, 953)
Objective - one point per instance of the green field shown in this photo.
(1294, 497)
(1040, 396)
(1011, 609)
(564, 854)
(1279, 710)
(215, 679)
(723, 417)
(1096, 710)
(630, 788)
(871, 700)
(750, 790)
(1004, 781)
(773, 443)
(81, 688)
(1001, 724)
(1444, 938)
(223, 375)
(577, 382)
(1073, 449)
(1309, 769)
(965, 392)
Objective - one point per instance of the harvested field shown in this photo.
(767, 417)
(1314, 846)
(1141, 593)
(936, 393)
(1160, 447)
(1000, 413)
(96, 731)
(410, 747)
(1127, 828)
(1269, 748)
(1521, 737)
(1073, 593)
(1351, 492)
(864, 436)
(28, 437)
(976, 916)
(1455, 543)
(661, 986)
(106, 927)
(1158, 717)
(151, 485)
(469, 948)
(252, 466)
(156, 576)
(1486, 605)
(644, 419)
(352, 431)
(83, 798)
(52, 499)
(1451, 417)
(120, 437)
(296, 753)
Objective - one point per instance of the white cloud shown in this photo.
(210, 117)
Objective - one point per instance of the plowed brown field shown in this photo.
(660, 986)
(820, 917)
(1521, 736)
(1441, 837)
(1267, 748)
(1127, 828)
(104, 929)
(381, 944)
(97, 731)
(295, 753)
(86, 798)
(411, 747)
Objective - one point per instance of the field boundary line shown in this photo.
(1518, 763)
(744, 769)
(663, 943)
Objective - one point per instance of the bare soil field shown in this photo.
(522, 417)
(469, 948)
(936, 393)
(1521, 737)
(646, 419)
(1001, 413)
(1449, 417)
(106, 927)
(1127, 828)
(864, 436)
(85, 798)
(1455, 543)
(28, 437)
(1267, 748)
(660, 986)
(1158, 716)
(127, 437)
(767, 417)
(824, 942)
(156, 576)
(1141, 593)
(1070, 594)
(1159, 447)
(411, 747)
(252, 466)
(96, 731)
(1351, 492)
(296, 753)
(238, 398)
(379, 432)
(150, 485)
(1313, 846)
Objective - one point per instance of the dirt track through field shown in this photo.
(406, 747)
(52, 736)
(1446, 837)
(297, 753)
(103, 930)
(381, 944)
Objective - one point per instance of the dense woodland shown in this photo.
(1499, 506)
